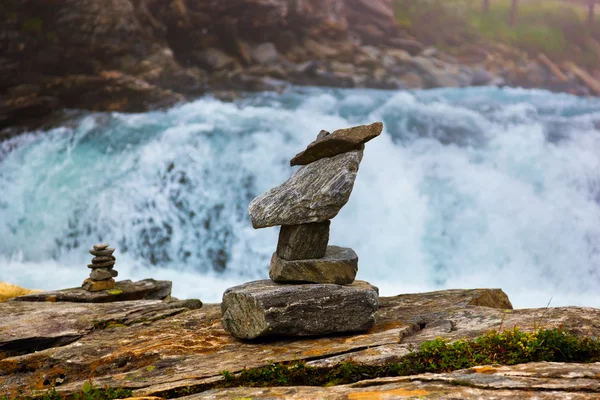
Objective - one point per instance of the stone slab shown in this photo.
(301, 242)
(338, 142)
(339, 266)
(540, 381)
(126, 290)
(266, 308)
(315, 193)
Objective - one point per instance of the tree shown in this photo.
(513, 12)
(486, 6)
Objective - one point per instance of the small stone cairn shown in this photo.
(103, 274)
(312, 290)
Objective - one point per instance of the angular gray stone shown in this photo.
(339, 266)
(301, 242)
(101, 274)
(315, 193)
(106, 264)
(101, 246)
(338, 142)
(102, 259)
(105, 252)
(266, 308)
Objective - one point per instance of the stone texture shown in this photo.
(540, 381)
(147, 289)
(26, 327)
(315, 193)
(96, 286)
(105, 252)
(265, 308)
(102, 259)
(190, 347)
(102, 246)
(339, 266)
(300, 242)
(114, 273)
(107, 264)
(101, 274)
(340, 141)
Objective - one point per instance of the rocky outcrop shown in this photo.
(147, 289)
(156, 353)
(542, 381)
(136, 55)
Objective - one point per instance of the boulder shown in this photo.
(315, 193)
(266, 308)
(299, 242)
(156, 353)
(265, 54)
(340, 141)
(147, 289)
(214, 59)
(339, 266)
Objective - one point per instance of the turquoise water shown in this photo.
(478, 187)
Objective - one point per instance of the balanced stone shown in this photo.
(101, 246)
(101, 274)
(102, 259)
(339, 266)
(96, 286)
(299, 242)
(114, 273)
(340, 141)
(107, 264)
(105, 252)
(315, 193)
(266, 308)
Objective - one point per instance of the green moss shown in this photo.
(150, 368)
(554, 27)
(33, 24)
(115, 292)
(88, 392)
(507, 348)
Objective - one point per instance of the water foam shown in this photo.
(465, 188)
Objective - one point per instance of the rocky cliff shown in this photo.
(168, 349)
(135, 55)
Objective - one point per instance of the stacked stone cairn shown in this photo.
(103, 274)
(312, 290)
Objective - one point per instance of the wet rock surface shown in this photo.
(265, 308)
(338, 266)
(155, 356)
(315, 193)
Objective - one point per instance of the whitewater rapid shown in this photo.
(477, 187)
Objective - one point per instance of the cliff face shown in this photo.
(171, 348)
(135, 55)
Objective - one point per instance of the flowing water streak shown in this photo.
(466, 188)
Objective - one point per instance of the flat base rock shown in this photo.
(339, 266)
(266, 308)
(147, 289)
